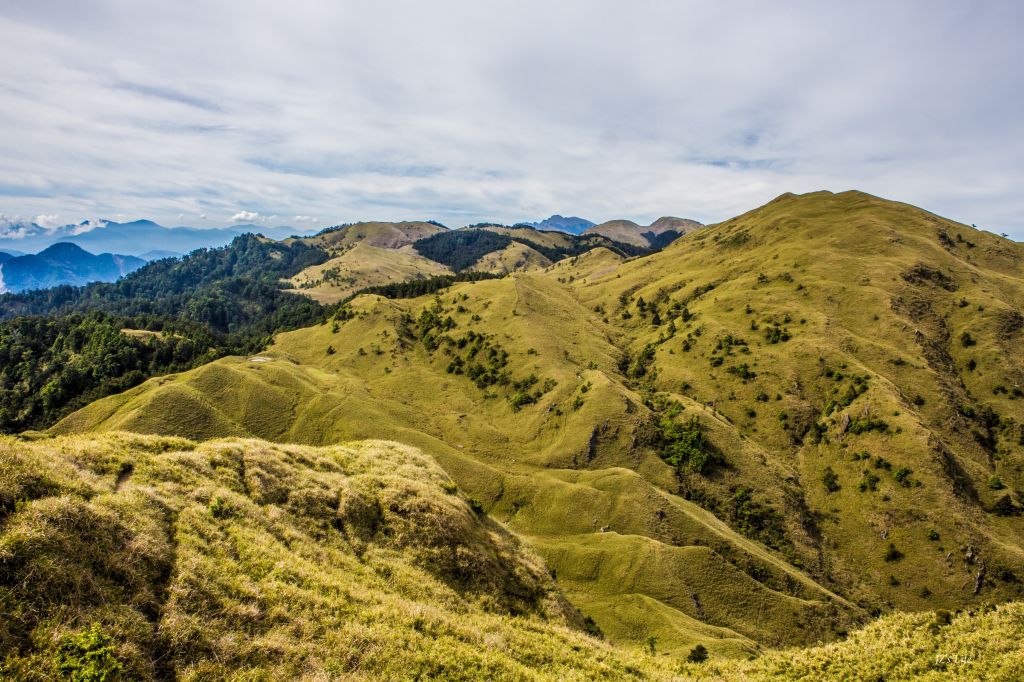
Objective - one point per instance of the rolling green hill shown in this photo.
(759, 436)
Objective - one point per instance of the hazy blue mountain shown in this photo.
(135, 238)
(571, 224)
(4, 257)
(63, 263)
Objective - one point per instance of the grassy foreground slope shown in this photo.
(162, 558)
(142, 557)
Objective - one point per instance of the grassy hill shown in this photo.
(359, 266)
(140, 557)
(658, 234)
(771, 429)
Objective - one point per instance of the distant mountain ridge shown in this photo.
(137, 237)
(63, 263)
(658, 234)
(570, 224)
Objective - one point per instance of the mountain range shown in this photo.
(149, 240)
(134, 238)
(787, 445)
(62, 263)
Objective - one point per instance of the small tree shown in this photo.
(698, 654)
(831, 480)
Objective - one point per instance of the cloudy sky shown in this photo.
(315, 113)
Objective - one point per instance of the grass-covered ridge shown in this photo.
(167, 558)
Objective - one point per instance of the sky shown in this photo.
(317, 113)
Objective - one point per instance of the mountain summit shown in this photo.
(572, 225)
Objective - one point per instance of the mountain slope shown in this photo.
(829, 329)
(769, 429)
(362, 265)
(65, 263)
(374, 253)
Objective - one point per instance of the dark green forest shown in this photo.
(460, 249)
(62, 348)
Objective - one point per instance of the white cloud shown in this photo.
(49, 221)
(591, 108)
(14, 227)
(246, 217)
(87, 226)
(304, 219)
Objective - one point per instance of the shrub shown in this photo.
(219, 509)
(698, 654)
(868, 483)
(685, 446)
(743, 371)
(776, 334)
(995, 483)
(831, 480)
(859, 425)
(966, 340)
(892, 554)
(88, 656)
